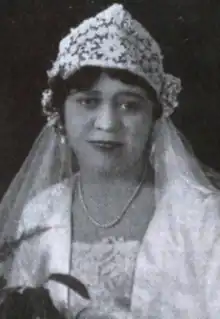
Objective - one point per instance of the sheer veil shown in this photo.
(174, 162)
(50, 162)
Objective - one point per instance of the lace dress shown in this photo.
(107, 269)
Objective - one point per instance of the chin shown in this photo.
(105, 165)
(112, 169)
(106, 170)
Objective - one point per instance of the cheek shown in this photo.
(71, 122)
(139, 128)
(77, 122)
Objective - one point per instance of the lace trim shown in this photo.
(107, 269)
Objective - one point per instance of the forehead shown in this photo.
(107, 84)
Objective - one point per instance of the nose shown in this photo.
(108, 119)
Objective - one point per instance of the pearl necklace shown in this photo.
(125, 209)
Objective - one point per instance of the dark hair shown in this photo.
(85, 77)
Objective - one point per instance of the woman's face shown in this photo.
(108, 125)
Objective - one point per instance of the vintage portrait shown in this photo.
(110, 160)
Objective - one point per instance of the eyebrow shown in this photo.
(132, 94)
(87, 91)
(122, 92)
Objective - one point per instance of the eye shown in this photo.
(130, 106)
(88, 102)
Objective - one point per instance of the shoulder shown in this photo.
(50, 194)
(197, 219)
(186, 209)
(47, 207)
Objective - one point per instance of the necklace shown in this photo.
(125, 209)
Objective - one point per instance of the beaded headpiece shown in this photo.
(113, 39)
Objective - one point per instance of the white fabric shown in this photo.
(107, 269)
(177, 266)
(173, 161)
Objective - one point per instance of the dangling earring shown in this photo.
(63, 139)
(65, 151)
(60, 130)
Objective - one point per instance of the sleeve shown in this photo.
(28, 266)
(209, 255)
(30, 258)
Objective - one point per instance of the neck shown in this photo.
(98, 183)
(108, 196)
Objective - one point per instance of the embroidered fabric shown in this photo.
(107, 269)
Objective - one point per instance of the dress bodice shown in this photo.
(107, 269)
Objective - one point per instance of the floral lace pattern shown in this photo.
(113, 39)
(107, 269)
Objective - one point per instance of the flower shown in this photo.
(47, 96)
(54, 70)
(102, 31)
(169, 95)
(112, 49)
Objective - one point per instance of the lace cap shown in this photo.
(113, 39)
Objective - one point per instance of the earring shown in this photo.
(62, 134)
(60, 131)
(63, 139)
(53, 120)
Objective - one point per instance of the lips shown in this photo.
(106, 144)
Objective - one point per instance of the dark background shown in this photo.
(188, 31)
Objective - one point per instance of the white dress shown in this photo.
(173, 273)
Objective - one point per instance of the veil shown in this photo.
(174, 162)
(50, 162)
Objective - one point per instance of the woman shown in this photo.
(129, 211)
